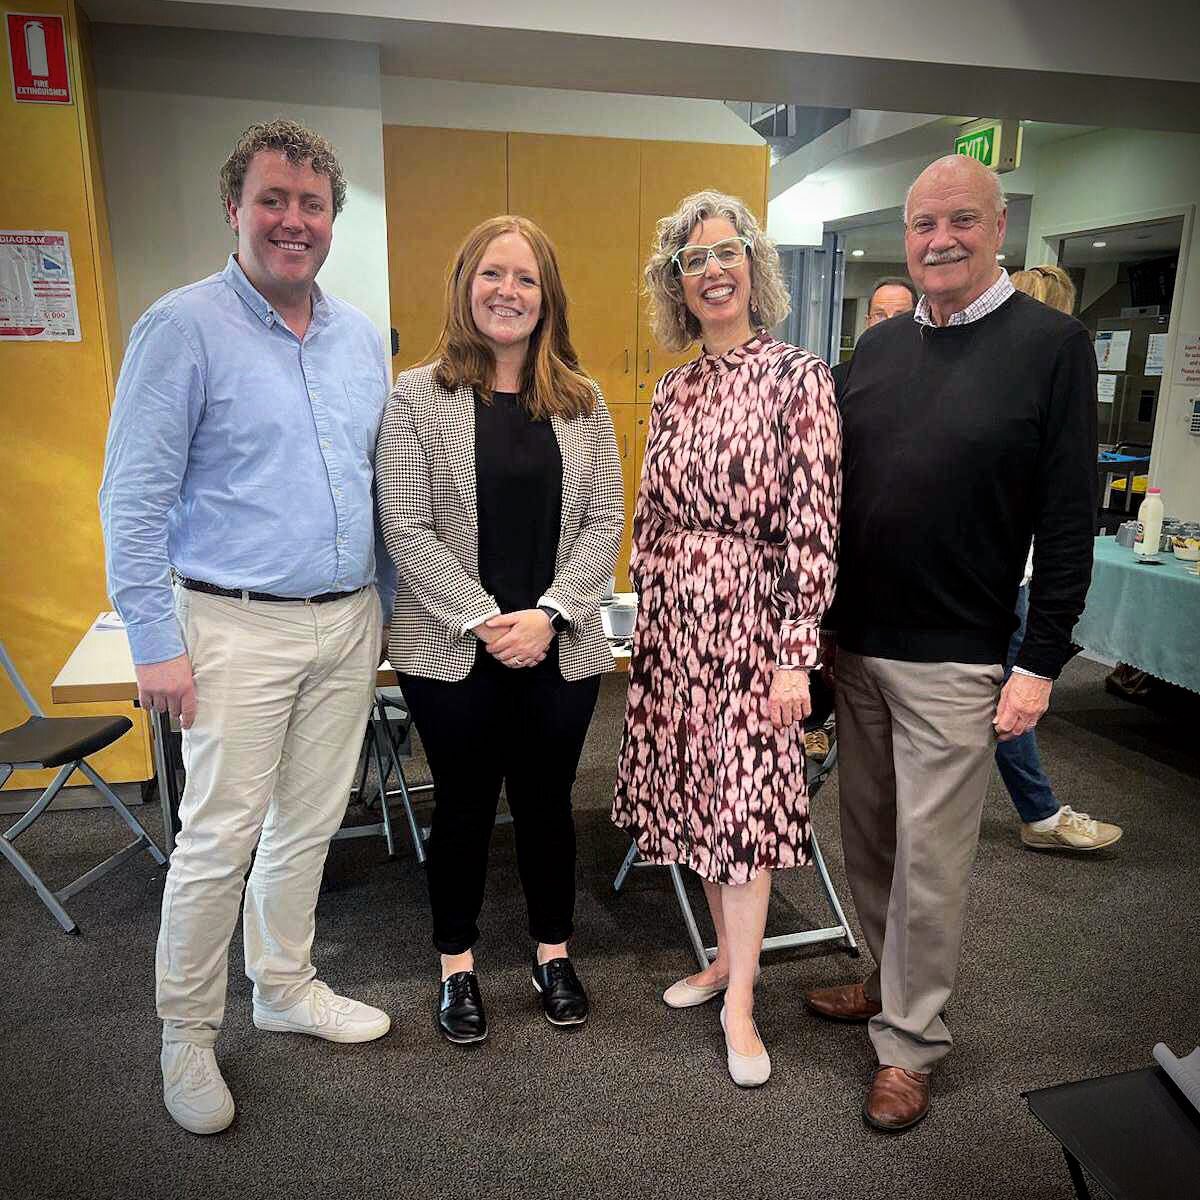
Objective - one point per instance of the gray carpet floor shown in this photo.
(1072, 967)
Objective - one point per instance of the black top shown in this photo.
(959, 444)
(518, 489)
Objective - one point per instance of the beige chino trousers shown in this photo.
(283, 691)
(915, 752)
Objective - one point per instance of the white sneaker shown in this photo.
(324, 1014)
(193, 1090)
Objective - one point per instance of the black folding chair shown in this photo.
(63, 742)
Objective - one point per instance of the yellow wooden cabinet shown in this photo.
(584, 193)
(671, 171)
(440, 184)
(598, 199)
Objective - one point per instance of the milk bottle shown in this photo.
(1149, 523)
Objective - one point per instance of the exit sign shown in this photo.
(996, 144)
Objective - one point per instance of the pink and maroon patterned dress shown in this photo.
(734, 544)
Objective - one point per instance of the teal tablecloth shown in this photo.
(1147, 616)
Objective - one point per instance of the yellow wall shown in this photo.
(55, 399)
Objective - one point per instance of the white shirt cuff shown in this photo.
(1031, 674)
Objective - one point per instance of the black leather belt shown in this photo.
(211, 589)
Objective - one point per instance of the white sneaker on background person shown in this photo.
(322, 1013)
(193, 1090)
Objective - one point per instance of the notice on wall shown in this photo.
(1156, 353)
(37, 287)
(1112, 346)
(1106, 389)
(1187, 360)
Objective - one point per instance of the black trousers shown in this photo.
(523, 728)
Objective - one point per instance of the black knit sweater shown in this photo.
(961, 443)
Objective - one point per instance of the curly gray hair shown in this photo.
(297, 142)
(674, 325)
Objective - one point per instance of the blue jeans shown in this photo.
(1018, 761)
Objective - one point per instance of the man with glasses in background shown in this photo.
(892, 296)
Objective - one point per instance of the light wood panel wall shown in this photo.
(55, 399)
(599, 200)
(440, 184)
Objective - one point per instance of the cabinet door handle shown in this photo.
(647, 360)
(624, 445)
(627, 361)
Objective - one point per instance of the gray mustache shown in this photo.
(940, 260)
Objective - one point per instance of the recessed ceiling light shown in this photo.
(1000, 257)
(857, 253)
(1099, 245)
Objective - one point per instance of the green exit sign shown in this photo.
(996, 144)
(981, 145)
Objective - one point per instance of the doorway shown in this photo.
(1125, 279)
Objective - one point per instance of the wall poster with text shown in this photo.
(37, 287)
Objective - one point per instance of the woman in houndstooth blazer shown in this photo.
(501, 502)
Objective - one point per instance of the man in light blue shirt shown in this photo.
(243, 555)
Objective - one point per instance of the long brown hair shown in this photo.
(551, 379)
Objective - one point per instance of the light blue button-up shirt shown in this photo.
(241, 455)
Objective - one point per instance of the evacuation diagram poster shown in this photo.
(37, 287)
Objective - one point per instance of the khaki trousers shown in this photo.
(282, 696)
(915, 751)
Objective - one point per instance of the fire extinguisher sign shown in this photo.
(37, 53)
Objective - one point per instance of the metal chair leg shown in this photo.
(34, 880)
(52, 899)
(135, 826)
(626, 866)
(689, 917)
(831, 896)
(361, 790)
(414, 830)
(381, 775)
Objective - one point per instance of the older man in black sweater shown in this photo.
(968, 428)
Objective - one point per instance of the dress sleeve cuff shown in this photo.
(799, 645)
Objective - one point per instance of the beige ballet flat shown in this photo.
(746, 1070)
(682, 994)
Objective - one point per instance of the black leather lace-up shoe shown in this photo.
(563, 999)
(460, 1015)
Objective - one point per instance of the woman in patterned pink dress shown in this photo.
(734, 562)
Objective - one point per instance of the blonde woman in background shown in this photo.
(1045, 824)
(733, 559)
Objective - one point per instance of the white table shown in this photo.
(101, 668)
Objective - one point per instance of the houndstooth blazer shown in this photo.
(425, 485)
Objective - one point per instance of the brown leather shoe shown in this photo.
(847, 1002)
(898, 1099)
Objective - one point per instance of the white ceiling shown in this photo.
(625, 46)
(1128, 243)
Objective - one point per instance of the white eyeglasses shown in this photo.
(693, 260)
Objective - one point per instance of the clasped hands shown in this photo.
(517, 639)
